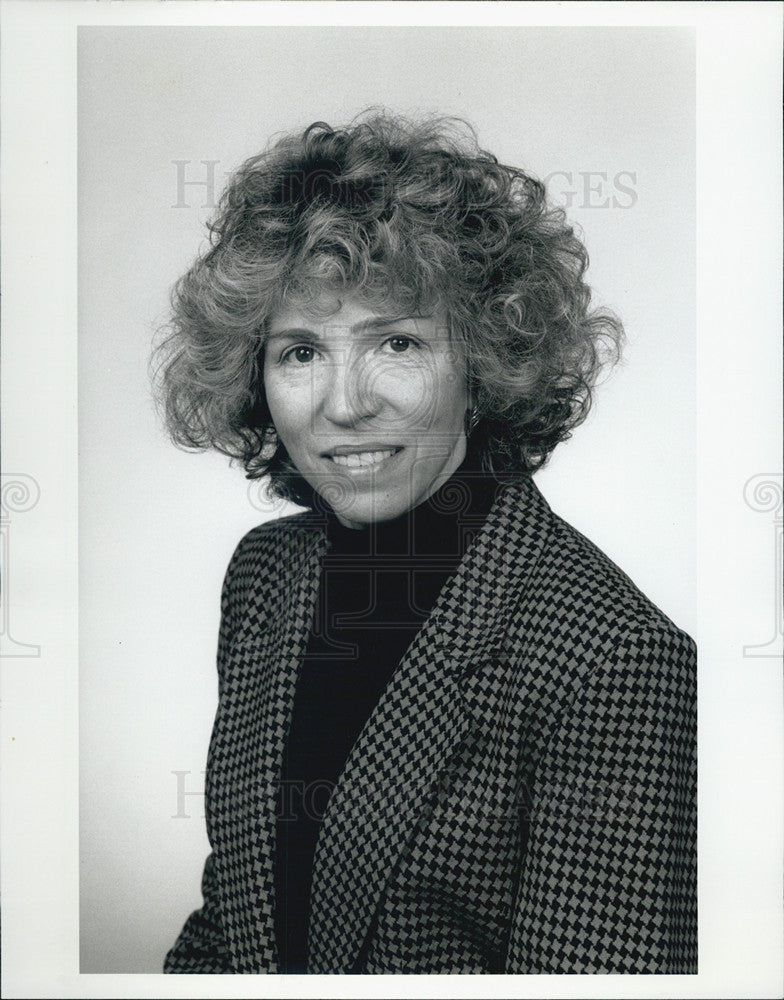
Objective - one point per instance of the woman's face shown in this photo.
(369, 406)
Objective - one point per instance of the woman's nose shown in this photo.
(349, 395)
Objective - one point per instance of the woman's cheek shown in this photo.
(290, 395)
(409, 389)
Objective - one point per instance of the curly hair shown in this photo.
(391, 209)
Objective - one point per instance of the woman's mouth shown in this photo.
(363, 459)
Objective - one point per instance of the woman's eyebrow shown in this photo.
(364, 326)
(294, 333)
(379, 322)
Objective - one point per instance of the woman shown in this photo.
(451, 736)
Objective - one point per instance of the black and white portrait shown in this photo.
(451, 734)
(388, 486)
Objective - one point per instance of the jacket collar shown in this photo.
(408, 740)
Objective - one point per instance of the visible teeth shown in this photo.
(359, 459)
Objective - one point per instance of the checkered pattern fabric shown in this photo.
(522, 799)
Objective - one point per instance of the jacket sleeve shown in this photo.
(608, 882)
(201, 946)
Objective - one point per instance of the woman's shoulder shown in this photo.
(273, 538)
(586, 592)
(605, 593)
(265, 566)
(273, 543)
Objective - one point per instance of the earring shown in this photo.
(471, 420)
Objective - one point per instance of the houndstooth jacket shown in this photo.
(522, 799)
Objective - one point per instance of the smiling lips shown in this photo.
(362, 459)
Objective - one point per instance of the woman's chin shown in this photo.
(373, 511)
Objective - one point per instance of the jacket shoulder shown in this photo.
(593, 592)
(270, 540)
(257, 568)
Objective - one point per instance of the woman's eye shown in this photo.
(399, 344)
(301, 354)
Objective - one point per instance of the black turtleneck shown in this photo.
(378, 585)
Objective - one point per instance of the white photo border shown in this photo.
(739, 420)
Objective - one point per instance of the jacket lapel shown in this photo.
(422, 717)
(258, 679)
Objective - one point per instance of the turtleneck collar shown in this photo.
(440, 524)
